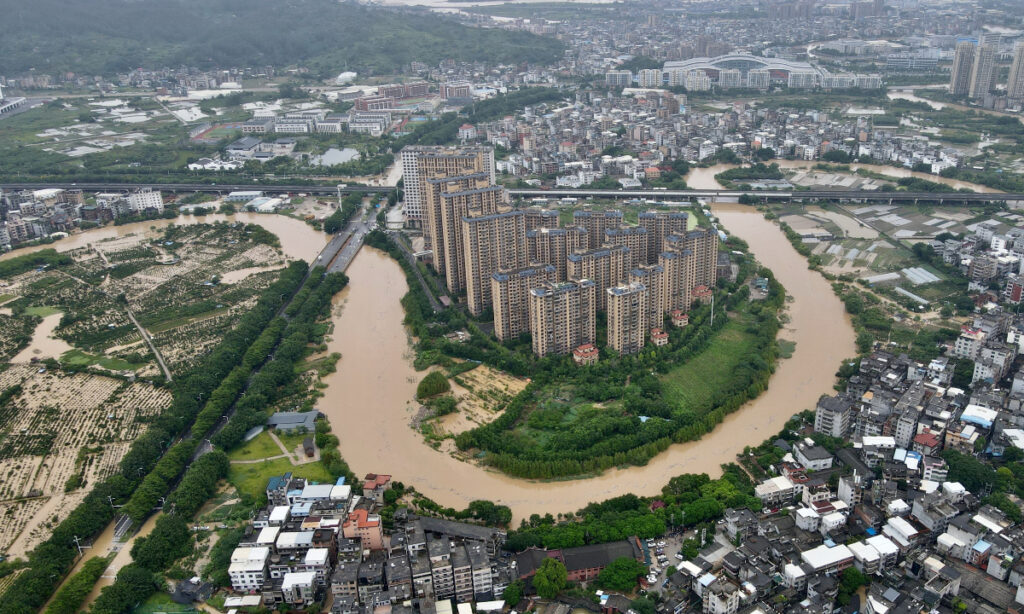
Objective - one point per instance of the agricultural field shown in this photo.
(59, 434)
(213, 273)
(481, 394)
(874, 242)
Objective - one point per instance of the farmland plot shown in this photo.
(60, 434)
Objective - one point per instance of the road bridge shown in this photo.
(648, 193)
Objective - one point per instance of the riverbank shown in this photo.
(369, 399)
(372, 392)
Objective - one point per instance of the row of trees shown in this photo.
(48, 563)
(170, 539)
(341, 216)
(280, 376)
(17, 265)
(691, 500)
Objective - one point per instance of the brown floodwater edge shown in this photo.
(369, 399)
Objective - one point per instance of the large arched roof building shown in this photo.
(743, 62)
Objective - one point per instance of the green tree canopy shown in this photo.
(621, 574)
(550, 579)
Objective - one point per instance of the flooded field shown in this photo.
(704, 178)
(44, 344)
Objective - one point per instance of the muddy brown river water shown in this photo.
(369, 398)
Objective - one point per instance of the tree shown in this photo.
(513, 593)
(849, 581)
(621, 574)
(963, 373)
(550, 579)
(643, 605)
(433, 384)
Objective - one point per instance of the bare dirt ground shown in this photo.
(481, 393)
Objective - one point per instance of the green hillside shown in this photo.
(109, 36)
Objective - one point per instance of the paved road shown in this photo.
(152, 346)
(397, 240)
(850, 195)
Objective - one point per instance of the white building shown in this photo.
(248, 569)
(649, 77)
(828, 560)
(698, 81)
(145, 199)
(299, 587)
(776, 491)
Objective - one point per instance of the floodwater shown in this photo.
(44, 344)
(233, 277)
(704, 178)
(909, 95)
(104, 545)
(369, 397)
(298, 239)
(375, 375)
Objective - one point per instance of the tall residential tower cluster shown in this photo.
(540, 278)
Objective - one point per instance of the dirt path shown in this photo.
(261, 460)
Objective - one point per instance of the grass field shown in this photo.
(695, 384)
(260, 446)
(251, 479)
(292, 441)
(42, 312)
(78, 358)
(6, 297)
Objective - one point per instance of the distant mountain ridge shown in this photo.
(110, 36)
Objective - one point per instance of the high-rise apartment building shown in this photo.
(627, 317)
(963, 61)
(618, 78)
(491, 243)
(636, 238)
(660, 224)
(540, 218)
(1015, 83)
(649, 77)
(510, 298)
(605, 266)
(423, 161)
(595, 223)
(677, 278)
(983, 69)
(447, 200)
(562, 316)
(553, 246)
(703, 242)
(652, 276)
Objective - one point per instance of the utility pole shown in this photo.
(78, 544)
(712, 309)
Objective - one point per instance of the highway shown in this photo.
(767, 195)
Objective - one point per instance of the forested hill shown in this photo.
(108, 36)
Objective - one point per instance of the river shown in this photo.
(369, 398)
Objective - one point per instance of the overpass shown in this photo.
(763, 195)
